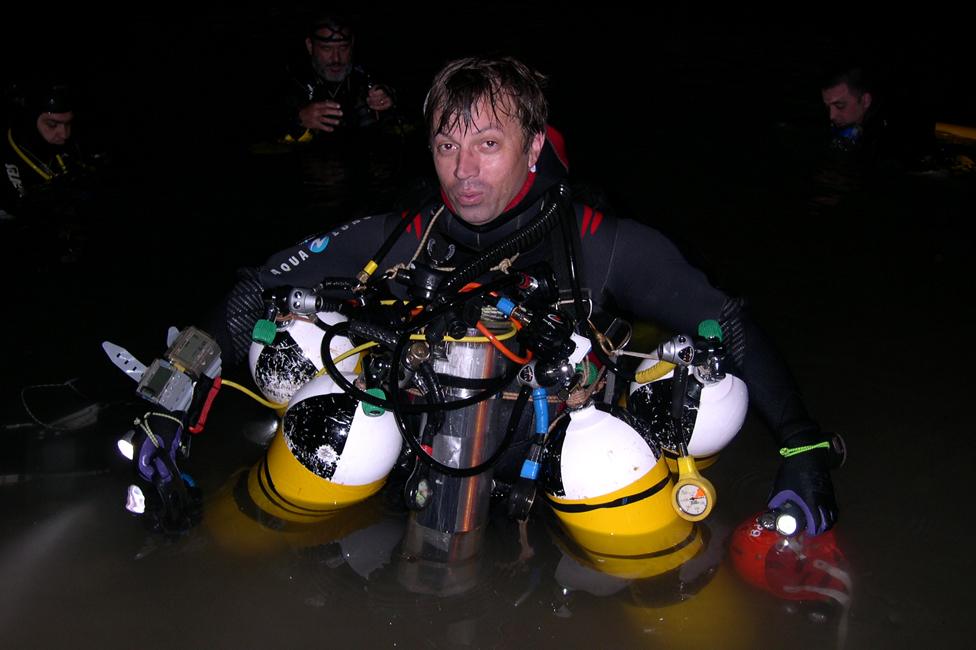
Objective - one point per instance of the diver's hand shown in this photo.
(321, 116)
(165, 496)
(378, 99)
(159, 443)
(804, 479)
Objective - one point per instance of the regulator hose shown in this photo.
(570, 240)
(341, 329)
(518, 241)
(461, 472)
(428, 382)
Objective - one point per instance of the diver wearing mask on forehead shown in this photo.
(342, 122)
(502, 173)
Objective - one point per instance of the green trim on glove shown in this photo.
(786, 452)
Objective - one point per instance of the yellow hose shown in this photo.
(656, 371)
(271, 405)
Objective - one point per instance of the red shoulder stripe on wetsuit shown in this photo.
(597, 218)
(417, 226)
(587, 215)
(558, 143)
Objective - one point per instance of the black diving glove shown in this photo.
(803, 479)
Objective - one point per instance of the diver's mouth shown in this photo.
(470, 198)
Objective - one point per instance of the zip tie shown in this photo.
(787, 452)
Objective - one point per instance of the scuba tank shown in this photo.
(716, 403)
(331, 451)
(611, 490)
(286, 347)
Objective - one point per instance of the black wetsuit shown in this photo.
(45, 196)
(350, 170)
(624, 263)
(33, 171)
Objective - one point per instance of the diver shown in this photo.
(343, 123)
(46, 176)
(500, 177)
(872, 126)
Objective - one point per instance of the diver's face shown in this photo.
(845, 108)
(483, 166)
(331, 59)
(55, 128)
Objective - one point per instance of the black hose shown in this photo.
(571, 249)
(373, 332)
(398, 230)
(423, 456)
(497, 383)
(399, 410)
(426, 379)
(518, 241)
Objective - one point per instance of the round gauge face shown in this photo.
(692, 499)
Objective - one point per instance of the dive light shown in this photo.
(787, 520)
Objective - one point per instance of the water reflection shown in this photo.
(371, 573)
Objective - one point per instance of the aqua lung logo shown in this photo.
(319, 245)
(315, 246)
(290, 263)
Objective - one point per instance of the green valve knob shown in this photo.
(710, 329)
(264, 332)
(591, 374)
(371, 409)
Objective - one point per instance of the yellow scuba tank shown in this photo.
(330, 451)
(610, 490)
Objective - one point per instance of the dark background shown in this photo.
(187, 83)
(701, 124)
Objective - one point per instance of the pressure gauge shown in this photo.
(693, 496)
(692, 500)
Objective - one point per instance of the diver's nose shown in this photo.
(467, 165)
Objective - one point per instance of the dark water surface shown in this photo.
(707, 131)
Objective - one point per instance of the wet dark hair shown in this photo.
(854, 77)
(506, 84)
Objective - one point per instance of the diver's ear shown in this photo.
(535, 148)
